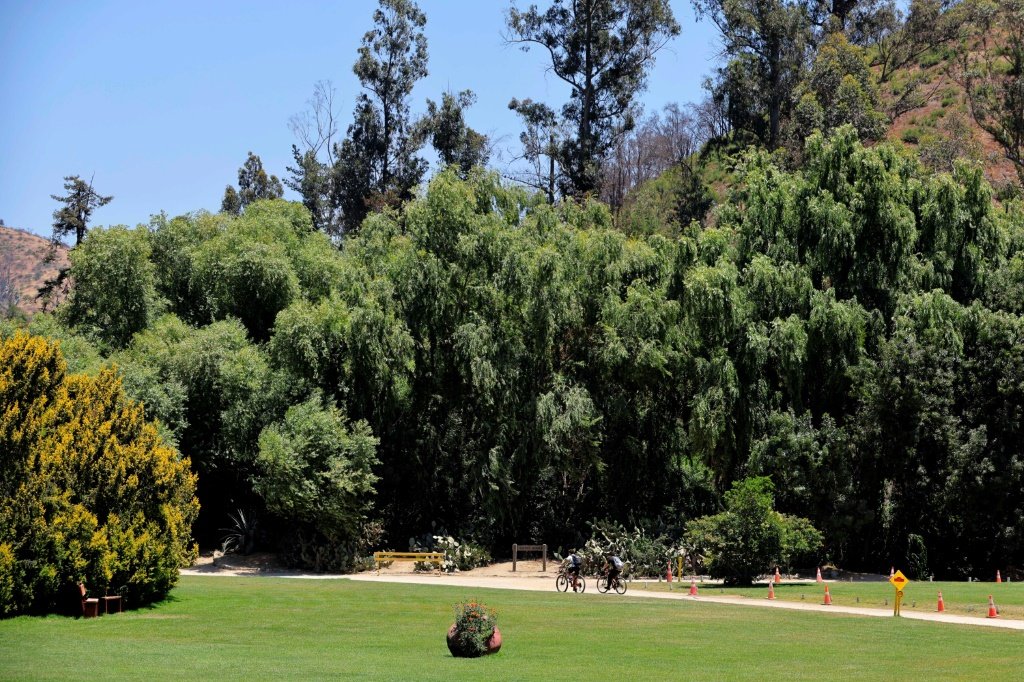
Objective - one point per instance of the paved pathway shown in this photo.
(546, 584)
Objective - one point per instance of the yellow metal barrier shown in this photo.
(426, 557)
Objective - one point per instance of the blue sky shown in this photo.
(161, 101)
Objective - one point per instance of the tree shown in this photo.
(376, 163)
(114, 294)
(900, 39)
(314, 472)
(858, 20)
(650, 149)
(79, 203)
(541, 141)
(750, 537)
(602, 49)
(72, 217)
(231, 203)
(765, 42)
(89, 491)
(313, 173)
(9, 294)
(253, 185)
(445, 126)
(839, 89)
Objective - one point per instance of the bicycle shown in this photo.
(562, 582)
(619, 584)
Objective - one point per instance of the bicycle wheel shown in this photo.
(602, 584)
(581, 585)
(620, 585)
(561, 583)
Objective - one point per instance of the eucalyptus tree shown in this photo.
(541, 141)
(602, 49)
(765, 45)
(444, 125)
(376, 164)
(253, 184)
(313, 176)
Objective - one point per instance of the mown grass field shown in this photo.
(965, 599)
(264, 628)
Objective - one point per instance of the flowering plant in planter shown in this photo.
(475, 631)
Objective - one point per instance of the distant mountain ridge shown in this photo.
(23, 260)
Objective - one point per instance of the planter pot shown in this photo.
(493, 644)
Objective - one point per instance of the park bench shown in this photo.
(426, 557)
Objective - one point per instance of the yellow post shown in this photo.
(896, 607)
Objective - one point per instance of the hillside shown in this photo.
(942, 127)
(22, 256)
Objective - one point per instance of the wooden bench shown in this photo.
(90, 605)
(426, 557)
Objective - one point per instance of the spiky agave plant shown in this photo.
(240, 536)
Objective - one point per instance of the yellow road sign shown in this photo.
(898, 580)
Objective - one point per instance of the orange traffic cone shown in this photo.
(771, 591)
(992, 612)
(693, 588)
(828, 597)
(819, 575)
(892, 572)
(668, 576)
(999, 578)
(778, 578)
(942, 604)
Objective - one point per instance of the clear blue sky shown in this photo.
(162, 100)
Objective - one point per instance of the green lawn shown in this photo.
(966, 599)
(264, 628)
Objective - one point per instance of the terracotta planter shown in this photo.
(493, 644)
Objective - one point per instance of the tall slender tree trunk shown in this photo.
(775, 97)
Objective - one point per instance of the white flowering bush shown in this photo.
(458, 556)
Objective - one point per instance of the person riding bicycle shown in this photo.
(614, 566)
(573, 563)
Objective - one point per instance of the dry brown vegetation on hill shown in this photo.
(23, 263)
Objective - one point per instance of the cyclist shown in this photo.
(613, 565)
(573, 563)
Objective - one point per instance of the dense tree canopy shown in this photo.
(813, 332)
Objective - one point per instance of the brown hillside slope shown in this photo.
(22, 256)
(944, 117)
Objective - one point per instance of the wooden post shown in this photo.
(544, 558)
(515, 551)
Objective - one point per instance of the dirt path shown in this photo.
(529, 577)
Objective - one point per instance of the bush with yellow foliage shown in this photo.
(89, 491)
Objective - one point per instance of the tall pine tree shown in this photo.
(602, 49)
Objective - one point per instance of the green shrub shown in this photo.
(750, 537)
(930, 59)
(911, 135)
